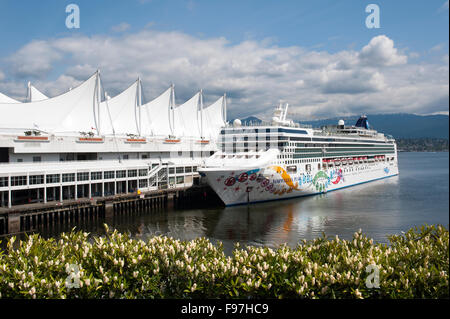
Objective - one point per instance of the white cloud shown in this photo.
(437, 47)
(121, 27)
(381, 52)
(353, 82)
(34, 59)
(254, 74)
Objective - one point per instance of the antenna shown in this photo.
(285, 111)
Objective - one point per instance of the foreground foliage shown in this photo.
(414, 265)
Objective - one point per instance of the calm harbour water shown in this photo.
(419, 195)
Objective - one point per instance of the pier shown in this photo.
(36, 196)
(46, 216)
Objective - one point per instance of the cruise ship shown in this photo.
(281, 159)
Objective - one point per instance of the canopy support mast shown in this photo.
(29, 98)
(201, 114)
(139, 103)
(172, 109)
(224, 111)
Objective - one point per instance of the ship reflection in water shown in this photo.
(389, 206)
(274, 223)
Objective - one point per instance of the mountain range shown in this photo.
(400, 125)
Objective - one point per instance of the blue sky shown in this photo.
(418, 30)
(331, 25)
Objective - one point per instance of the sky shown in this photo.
(318, 56)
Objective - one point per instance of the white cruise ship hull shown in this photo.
(272, 182)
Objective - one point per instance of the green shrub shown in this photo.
(413, 265)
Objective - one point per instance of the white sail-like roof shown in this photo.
(7, 99)
(73, 111)
(119, 113)
(213, 119)
(155, 115)
(35, 95)
(186, 118)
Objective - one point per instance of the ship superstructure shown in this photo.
(281, 159)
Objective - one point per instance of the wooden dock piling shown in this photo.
(48, 216)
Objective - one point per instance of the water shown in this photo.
(419, 195)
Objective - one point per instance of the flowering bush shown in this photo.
(413, 265)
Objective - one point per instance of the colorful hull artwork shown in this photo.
(274, 182)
